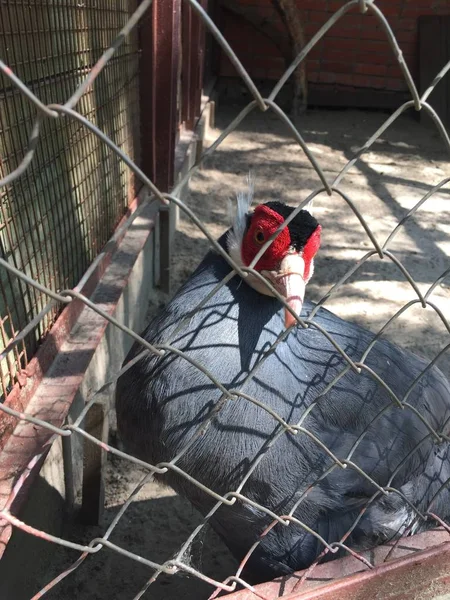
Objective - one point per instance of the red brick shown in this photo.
(339, 31)
(344, 79)
(311, 29)
(358, 19)
(361, 80)
(389, 9)
(355, 43)
(339, 55)
(382, 3)
(275, 73)
(377, 82)
(421, 3)
(316, 52)
(257, 3)
(381, 48)
(264, 62)
(312, 4)
(404, 24)
(378, 34)
(312, 64)
(341, 44)
(278, 24)
(348, 21)
(406, 36)
(240, 46)
(373, 33)
(262, 46)
(265, 11)
(259, 73)
(394, 71)
(370, 19)
(366, 69)
(416, 11)
(392, 83)
(369, 81)
(337, 67)
(235, 34)
(319, 17)
(375, 59)
(335, 5)
(327, 77)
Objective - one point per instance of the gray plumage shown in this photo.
(161, 403)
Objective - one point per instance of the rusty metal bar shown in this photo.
(193, 39)
(160, 42)
(186, 73)
(165, 36)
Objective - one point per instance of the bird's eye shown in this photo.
(260, 238)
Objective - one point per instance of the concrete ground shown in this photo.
(400, 168)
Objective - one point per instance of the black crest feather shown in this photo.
(300, 228)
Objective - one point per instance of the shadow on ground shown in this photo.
(155, 529)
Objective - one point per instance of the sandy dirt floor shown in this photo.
(399, 169)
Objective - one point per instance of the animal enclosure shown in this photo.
(364, 243)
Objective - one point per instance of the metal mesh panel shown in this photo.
(104, 132)
(55, 219)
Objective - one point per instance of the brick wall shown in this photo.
(353, 54)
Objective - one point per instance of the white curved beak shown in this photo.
(290, 283)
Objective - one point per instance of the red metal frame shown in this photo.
(160, 40)
(172, 54)
(417, 567)
(159, 77)
(193, 45)
(187, 48)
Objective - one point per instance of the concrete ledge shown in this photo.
(89, 357)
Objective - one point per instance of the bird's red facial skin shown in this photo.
(265, 222)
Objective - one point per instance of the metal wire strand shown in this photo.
(65, 114)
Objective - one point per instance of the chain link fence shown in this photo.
(54, 238)
(64, 114)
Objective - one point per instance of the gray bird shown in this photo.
(163, 402)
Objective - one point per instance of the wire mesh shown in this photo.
(31, 285)
(56, 217)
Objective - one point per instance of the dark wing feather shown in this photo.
(162, 404)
